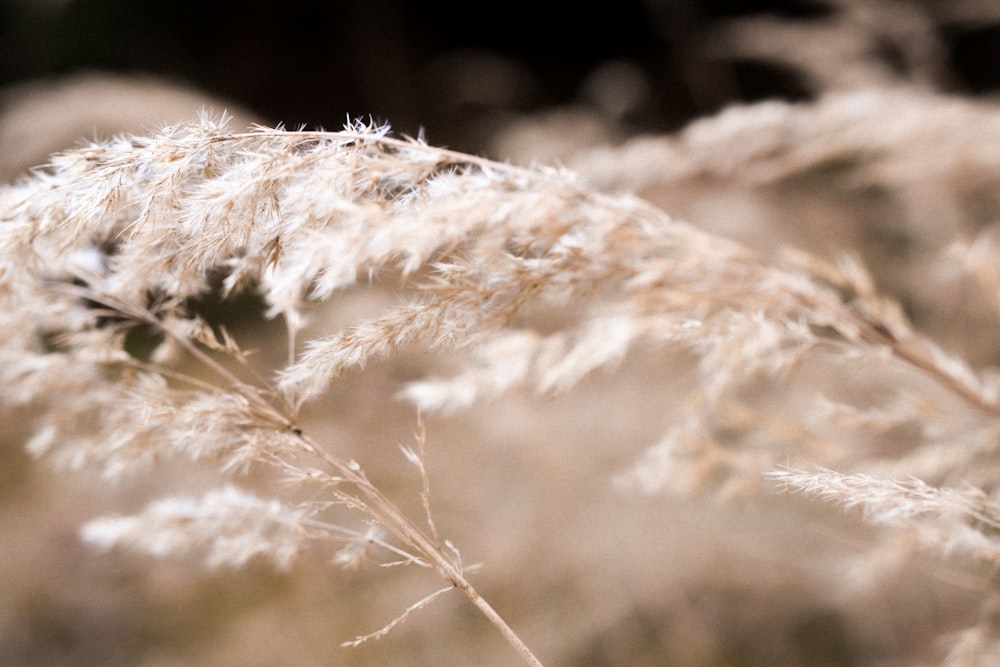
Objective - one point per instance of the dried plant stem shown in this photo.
(387, 628)
(143, 315)
(919, 355)
(394, 520)
(500, 624)
(921, 359)
(373, 500)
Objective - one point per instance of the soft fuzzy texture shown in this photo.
(787, 370)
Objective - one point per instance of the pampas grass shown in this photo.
(794, 371)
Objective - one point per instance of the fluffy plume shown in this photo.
(519, 280)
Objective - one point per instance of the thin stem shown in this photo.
(419, 604)
(500, 624)
(377, 505)
(138, 313)
(913, 353)
(392, 518)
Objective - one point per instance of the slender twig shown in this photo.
(372, 500)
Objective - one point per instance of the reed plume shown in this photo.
(531, 279)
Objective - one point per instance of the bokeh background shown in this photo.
(662, 581)
(461, 70)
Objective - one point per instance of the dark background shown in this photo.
(454, 68)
